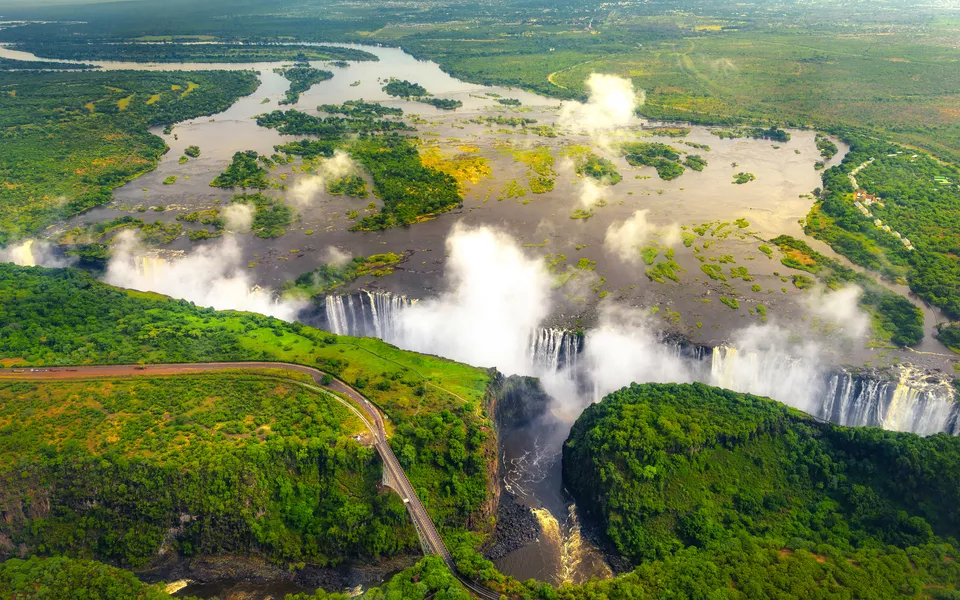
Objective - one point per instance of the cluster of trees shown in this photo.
(174, 52)
(271, 471)
(772, 133)
(409, 190)
(826, 146)
(329, 276)
(270, 215)
(664, 158)
(359, 109)
(501, 120)
(405, 89)
(301, 79)
(244, 171)
(429, 578)
(310, 148)
(752, 467)
(59, 578)
(695, 162)
(442, 103)
(354, 186)
(294, 122)
(100, 121)
(707, 489)
(598, 168)
(920, 199)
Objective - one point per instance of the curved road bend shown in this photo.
(429, 537)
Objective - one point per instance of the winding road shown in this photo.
(394, 475)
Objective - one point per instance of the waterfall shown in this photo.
(553, 349)
(768, 373)
(907, 401)
(149, 267)
(365, 314)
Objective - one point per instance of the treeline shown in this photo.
(13, 64)
(294, 122)
(100, 121)
(173, 52)
(920, 200)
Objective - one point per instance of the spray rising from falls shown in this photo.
(492, 315)
(211, 276)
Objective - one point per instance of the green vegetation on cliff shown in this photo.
(443, 439)
(127, 469)
(99, 123)
(667, 467)
(59, 578)
(429, 578)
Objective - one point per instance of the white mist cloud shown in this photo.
(335, 167)
(33, 253)
(610, 104)
(496, 296)
(212, 276)
(622, 349)
(590, 193)
(762, 360)
(841, 308)
(239, 217)
(626, 238)
(335, 256)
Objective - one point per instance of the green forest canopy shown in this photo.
(667, 467)
(105, 469)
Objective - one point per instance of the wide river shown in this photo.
(774, 204)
